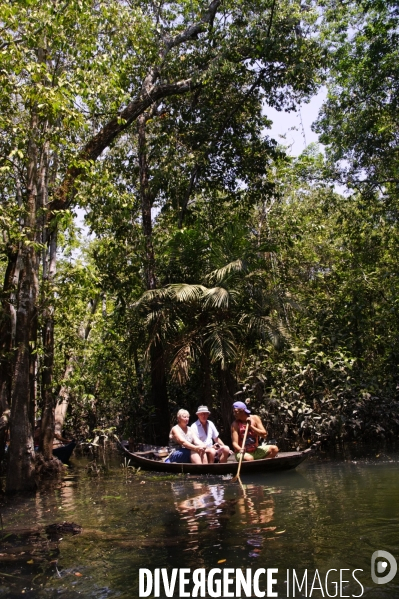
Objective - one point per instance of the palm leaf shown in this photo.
(186, 293)
(217, 276)
(151, 296)
(266, 327)
(221, 344)
(217, 297)
(181, 365)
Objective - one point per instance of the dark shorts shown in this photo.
(181, 456)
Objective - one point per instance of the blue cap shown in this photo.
(240, 405)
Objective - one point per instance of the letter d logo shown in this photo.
(382, 566)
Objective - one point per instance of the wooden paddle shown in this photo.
(237, 476)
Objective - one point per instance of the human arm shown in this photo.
(256, 426)
(199, 446)
(217, 441)
(196, 445)
(214, 433)
(235, 437)
(61, 438)
(197, 441)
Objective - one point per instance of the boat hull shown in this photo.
(284, 461)
(64, 452)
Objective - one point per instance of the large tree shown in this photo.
(74, 79)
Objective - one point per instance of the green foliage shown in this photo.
(335, 256)
(264, 273)
(314, 395)
(305, 265)
(129, 470)
(359, 121)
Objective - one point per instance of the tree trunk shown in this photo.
(62, 401)
(227, 389)
(61, 407)
(190, 188)
(20, 472)
(206, 382)
(146, 204)
(7, 338)
(48, 405)
(159, 395)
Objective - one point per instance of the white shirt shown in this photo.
(208, 437)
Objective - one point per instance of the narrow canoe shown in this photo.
(64, 452)
(146, 460)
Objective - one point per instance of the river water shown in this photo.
(325, 517)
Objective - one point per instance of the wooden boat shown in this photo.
(64, 452)
(150, 460)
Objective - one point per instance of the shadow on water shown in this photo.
(323, 516)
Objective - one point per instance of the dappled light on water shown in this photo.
(322, 516)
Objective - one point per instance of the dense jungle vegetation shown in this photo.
(217, 265)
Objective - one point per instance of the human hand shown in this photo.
(249, 423)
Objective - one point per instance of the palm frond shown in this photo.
(220, 274)
(162, 325)
(217, 297)
(221, 343)
(266, 327)
(183, 292)
(151, 296)
(180, 366)
(185, 350)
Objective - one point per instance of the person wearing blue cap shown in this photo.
(252, 450)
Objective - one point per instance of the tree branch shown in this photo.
(194, 30)
(94, 148)
(150, 93)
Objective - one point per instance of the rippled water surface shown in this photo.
(323, 516)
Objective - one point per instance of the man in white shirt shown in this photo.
(208, 434)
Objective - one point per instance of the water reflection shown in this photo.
(255, 510)
(324, 516)
(207, 503)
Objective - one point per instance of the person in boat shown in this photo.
(185, 443)
(207, 432)
(252, 450)
(58, 440)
